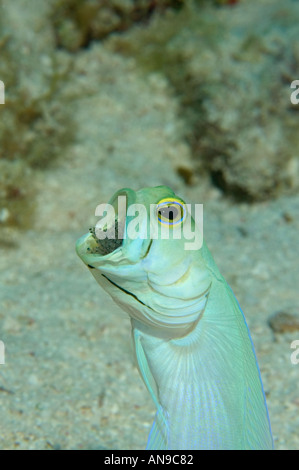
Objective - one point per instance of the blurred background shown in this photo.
(105, 94)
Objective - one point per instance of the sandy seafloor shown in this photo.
(70, 380)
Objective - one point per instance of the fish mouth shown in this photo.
(109, 240)
(108, 234)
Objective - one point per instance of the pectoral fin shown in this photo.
(158, 436)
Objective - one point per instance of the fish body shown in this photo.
(193, 347)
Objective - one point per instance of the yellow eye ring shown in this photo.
(171, 211)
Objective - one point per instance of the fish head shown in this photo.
(137, 253)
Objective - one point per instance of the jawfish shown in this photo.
(193, 347)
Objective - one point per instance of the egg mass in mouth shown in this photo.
(112, 239)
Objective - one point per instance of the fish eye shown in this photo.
(171, 211)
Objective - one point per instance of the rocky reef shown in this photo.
(35, 125)
(78, 22)
(232, 74)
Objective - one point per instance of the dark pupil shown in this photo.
(169, 213)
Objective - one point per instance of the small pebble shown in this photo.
(283, 322)
(186, 174)
(287, 217)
